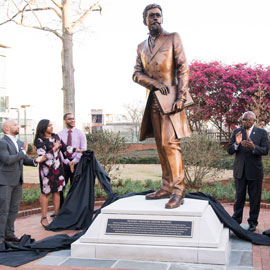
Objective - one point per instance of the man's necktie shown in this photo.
(247, 133)
(151, 43)
(69, 143)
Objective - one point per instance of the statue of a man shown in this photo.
(161, 63)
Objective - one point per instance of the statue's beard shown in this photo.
(155, 29)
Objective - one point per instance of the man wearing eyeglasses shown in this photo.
(74, 137)
(249, 143)
(160, 65)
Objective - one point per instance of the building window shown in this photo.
(97, 118)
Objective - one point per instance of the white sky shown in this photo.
(231, 31)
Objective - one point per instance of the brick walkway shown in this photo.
(261, 254)
(31, 225)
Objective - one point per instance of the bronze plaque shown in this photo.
(149, 227)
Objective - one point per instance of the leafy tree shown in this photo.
(222, 93)
(60, 17)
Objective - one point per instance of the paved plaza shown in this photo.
(243, 256)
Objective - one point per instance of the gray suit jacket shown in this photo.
(11, 162)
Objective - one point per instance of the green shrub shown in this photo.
(30, 195)
(139, 160)
(266, 165)
(199, 153)
(29, 149)
(225, 163)
(99, 192)
(108, 147)
(220, 191)
(122, 187)
(266, 195)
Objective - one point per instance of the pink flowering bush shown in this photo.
(222, 93)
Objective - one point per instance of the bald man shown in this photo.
(249, 143)
(12, 158)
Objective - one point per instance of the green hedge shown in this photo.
(122, 187)
(139, 160)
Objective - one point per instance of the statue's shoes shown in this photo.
(175, 201)
(159, 194)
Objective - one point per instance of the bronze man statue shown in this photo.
(161, 63)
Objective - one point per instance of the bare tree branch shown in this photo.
(31, 10)
(58, 5)
(40, 28)
(84, 15)
(34, 14)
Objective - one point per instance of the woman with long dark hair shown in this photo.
(51, 172)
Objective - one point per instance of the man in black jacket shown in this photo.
(248, 143)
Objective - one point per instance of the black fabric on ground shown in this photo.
(78, 210)
(27, 250)
(229, 222)
(76, 214)
(267, 232)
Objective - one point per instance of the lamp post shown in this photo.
(25, 120)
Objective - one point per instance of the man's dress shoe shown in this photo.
(159, 194)
(12, 239)
(175, 201)
(251, 228)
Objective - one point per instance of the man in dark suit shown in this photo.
(249, 143)
(12, 158)
(161, 64)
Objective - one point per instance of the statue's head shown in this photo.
(152, 15)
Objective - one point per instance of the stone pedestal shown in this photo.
(138, 229)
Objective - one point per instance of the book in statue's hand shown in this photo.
(166, 102)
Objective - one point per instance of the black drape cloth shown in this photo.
(78, 210)
(76, 214)
(27, 250)
(228, 221)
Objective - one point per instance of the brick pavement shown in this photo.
(31, 225)
(261, 254)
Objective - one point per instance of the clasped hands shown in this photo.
(246, 143)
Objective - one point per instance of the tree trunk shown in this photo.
(67, 62)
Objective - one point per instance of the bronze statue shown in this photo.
(161, 64)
